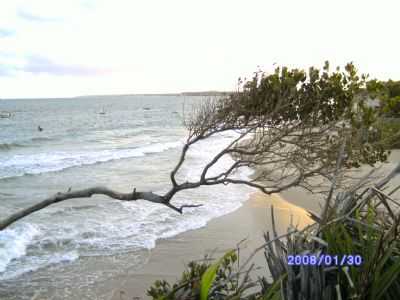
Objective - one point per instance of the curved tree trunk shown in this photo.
(87, 193)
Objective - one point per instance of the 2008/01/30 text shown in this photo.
(325, 260)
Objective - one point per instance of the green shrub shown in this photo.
(361, 222)
(390, 132)
(201, 280)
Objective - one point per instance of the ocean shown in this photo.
(69, 250)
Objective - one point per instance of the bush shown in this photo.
(359, 222)
(390, 132)
(393, 88)
(199, 279)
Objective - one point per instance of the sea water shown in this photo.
(123, 142)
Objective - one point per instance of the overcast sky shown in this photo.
(62, 48)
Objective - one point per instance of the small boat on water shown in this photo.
(5, 114)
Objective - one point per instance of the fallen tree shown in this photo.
(290, 126)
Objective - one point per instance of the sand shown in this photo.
(168, 258)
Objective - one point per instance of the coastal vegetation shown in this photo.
(296, 128)
(358, 219)
(389, 104)
(390, 98)
(363, 222)
(289, 125)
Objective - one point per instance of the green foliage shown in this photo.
(393, 88)
(389, 131)
(188, 285)
(207, 279)
(274, 291)
(392, 107)
(315, 96)
(364, 228)
(307, 101)
(389, 95)
(379, 275)
(312, 99)
(199, 279)
(388, 125)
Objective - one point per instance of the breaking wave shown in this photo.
(31, 164)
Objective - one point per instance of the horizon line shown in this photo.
(198, 93)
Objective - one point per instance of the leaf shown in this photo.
(274, 291)
(209, 275)
(386, 280)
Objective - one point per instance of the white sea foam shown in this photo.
(13, 243)
(42, 262)
(217, 200)
(122, 226)
(20, 164)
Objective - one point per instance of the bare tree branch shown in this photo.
(290, 125)
(87, 193)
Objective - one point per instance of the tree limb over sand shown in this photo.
(289, 126)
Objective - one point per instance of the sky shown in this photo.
(68, 48)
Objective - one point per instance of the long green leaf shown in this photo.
(209, 275)
(386, 280)
(274, 291)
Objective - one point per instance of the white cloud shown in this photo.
(180, 45)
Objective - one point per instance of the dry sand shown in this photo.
(168, 259)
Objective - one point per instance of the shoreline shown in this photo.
(167, 260)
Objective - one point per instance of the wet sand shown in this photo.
(168, 259)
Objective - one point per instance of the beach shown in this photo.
(95, 248)
(122, 142)
(167, 260)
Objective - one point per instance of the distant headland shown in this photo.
(200, 93)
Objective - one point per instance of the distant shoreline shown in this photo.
(201, 93)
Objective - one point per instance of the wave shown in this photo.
(42, 139)
(108, 228)
(10, 146)
(44, 262)
(24, 143)
(33, 164)
(14, 242)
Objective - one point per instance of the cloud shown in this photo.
(35, 18)
(36, 64)
(5, 70)
(49, 11)
(6, 32)
(88, 4)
